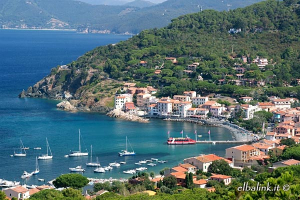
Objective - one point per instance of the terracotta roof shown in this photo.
(261, 146)
(200, 182)
(152, 105)
(180, 175)
(215, 107)
(143, 62)
(281, 147)
(239, 74)
(121, 97)
(281, 100)
(220, 176)
(129, 105)
(192, 109)
(211, 189)
(157, 179)
(211, 158)
(209, 103)
(244, 147)
(19, 189)
(270, 133)
(265, 104)
(33, 191)
(246, 98)
(291, 162)
(179, 169)
(187, 165)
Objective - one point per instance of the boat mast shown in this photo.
(22, 147)
(79, 142)
(91, 153)
(47, 146)
(126, 143)
(36, 164)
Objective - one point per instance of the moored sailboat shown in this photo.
(78, 153)
(37, 170)
(22, 151)
(46, 156)
(93, 164)
(126, 152)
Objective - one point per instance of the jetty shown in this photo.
(222, 142)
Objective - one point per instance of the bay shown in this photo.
(25, 58)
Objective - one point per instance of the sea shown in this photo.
(27, 56)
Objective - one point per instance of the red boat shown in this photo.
(175, 141)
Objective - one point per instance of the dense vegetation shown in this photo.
(270, 29)
(76, 181)
(118, 19)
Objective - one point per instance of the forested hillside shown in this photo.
(268, 29)
(101, 18)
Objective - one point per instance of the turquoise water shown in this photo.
(28, 56)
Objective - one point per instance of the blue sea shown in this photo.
(25, 58)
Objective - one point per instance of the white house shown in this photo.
(282, 103)
(181, 98)
(199, 100)
(191, 94)
(18, 192)
(120, 100)
(164, 107)
(216, 110)
(183, 108)
(152, 109)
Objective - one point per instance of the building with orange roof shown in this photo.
(121, 99)
(285, 129)
(191, 94)
(183, 108)
(263, 147)
(172, 59)
(189, 167)
(179, 169)
(284, 163)
(182, 98)
(242, 154)
(216, 110)
(130, 108)
(277, 151)
(266, 106)
(158, 71)
(201, 183)
(164, 107)
(143, 63)
(18, 192)
(131, 90)
(202, 162)
(141, 90)
(208, 104)
(141, 99)
(222, 178)
(199, 100)
(282, 103)
(33, 191)
(180, 177)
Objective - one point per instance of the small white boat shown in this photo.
(37, 148)
(213, 143)
(141, 169)
(26, 175)
(5, 183)
(66, 156)
(132, 171)
(143, 162)
(122, 162)
(31, 186)
(25, 148)
(99, 170)
(148, 160)
(137, 163)
(151, 164)
(77, 169)
(154, 159)
(78, 153)
(126, 152)
(108, 168)
(41, 179)
(114, 164)
(46, 156)
(37, 170)
(162, 161)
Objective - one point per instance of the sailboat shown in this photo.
(78, 153)
(26, 175)
(46, 156)
(126, 152)
(91, 164)
(22, 152)
(37, 170)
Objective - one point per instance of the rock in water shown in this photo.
(66, 105)
(22, 94)
(117, 113)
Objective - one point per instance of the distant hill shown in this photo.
(101, 18)
(105, 2)
(140, 4)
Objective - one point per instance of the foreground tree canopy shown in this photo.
(71, 180)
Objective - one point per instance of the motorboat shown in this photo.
(99, 170)
(26, 175)
(151, 164)
(77, 169)
(141, 169)
(114, 164)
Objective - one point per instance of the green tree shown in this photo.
(170, 181)
(72, 194)
(2, 195)
(102, 186)
(287, 142)
(71, 180)
(47, 194)
(152, 175)
(220, 167)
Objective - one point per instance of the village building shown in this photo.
(222, 178)
(18, 192)
(199, 100)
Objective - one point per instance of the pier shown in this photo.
(222, 142)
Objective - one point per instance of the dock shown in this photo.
(222, 142)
